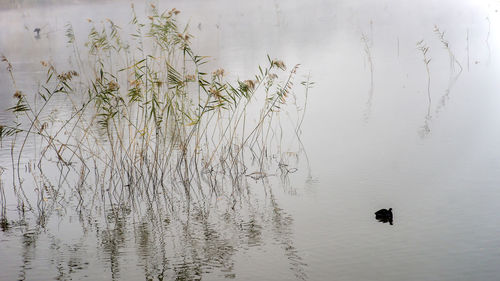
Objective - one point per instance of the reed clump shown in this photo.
(147, 120)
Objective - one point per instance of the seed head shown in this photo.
(113, 86)
(18, 95)
(250, 84)
(218, 73)
(279, 64)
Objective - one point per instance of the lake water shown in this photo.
(371, 136)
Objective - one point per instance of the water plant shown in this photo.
(146, 121)
(367, 42)
(424, 49)
(454, 74)
(488, 39)
(468, 50)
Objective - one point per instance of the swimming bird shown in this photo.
(384, 215)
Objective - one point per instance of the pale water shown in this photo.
(370, 136)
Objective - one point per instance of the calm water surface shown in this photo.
(371, 138)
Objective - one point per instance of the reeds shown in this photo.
(367, 42)
(424, 49)
(148, 121)
(454, 73)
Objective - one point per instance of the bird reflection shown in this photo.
(384, 215)
(37, 31)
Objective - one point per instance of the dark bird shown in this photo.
(384, 215)
(37, 31)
